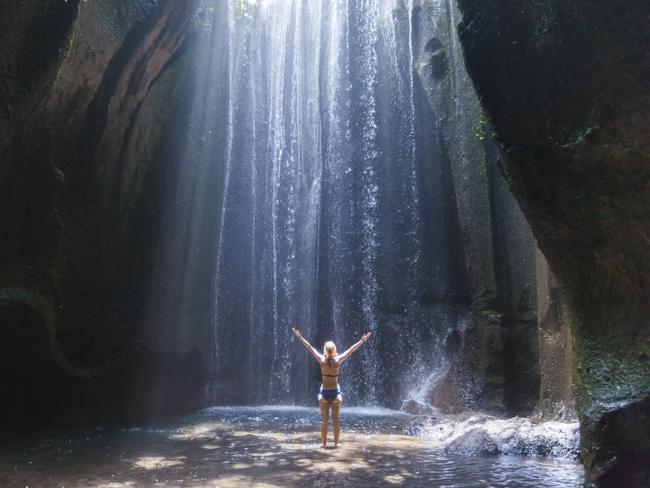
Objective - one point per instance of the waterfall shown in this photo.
(326, 198)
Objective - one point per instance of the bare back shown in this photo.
(329, 368)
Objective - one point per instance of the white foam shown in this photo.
(481, 434)
(369, 411)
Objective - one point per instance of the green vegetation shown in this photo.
(610, 375)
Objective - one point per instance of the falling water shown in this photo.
(329, 196)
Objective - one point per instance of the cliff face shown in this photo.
(455, 242)
(565, 85)
(90, 159)
(556, 389)
(77, 139)
(497, 364)
(88, 166)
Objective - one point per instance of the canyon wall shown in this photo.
(565, 85)
(79, 147)
(91, 164)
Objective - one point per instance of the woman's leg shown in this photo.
(324, 413)
(336, 410)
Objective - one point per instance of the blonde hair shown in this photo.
(329, 349)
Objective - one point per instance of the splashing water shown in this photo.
(479, 434)
(331, 214)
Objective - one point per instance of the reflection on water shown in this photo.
(266, 446)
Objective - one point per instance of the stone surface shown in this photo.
(473, 443)
(78, 78)
(84, 165)
(565, 85)
(480, 435)
(621, 446)
(85, 170)
(556, 391)
(496, 368)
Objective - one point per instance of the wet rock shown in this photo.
(573, 130)
(438, 59)
(556, 392)
(495, 363)
(415, 407)
(479, 435)
(418, 424)
(80, 76)
(622, 446)
(473, 443)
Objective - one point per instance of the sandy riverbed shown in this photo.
(263, 448)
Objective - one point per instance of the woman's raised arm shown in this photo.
(312, 350)
(354, 347)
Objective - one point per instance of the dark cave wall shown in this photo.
(556, 357)
(32, 34)
(84, 161)
(565, 85)
(496, 367)
(83, 170)
(493, 250)
(85, 96)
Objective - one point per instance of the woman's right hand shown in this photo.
(295, 332)
(366, 336)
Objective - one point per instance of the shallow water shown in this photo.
(265, 446)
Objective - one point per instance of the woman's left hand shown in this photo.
(366, 336)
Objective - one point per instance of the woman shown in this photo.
(330, 392)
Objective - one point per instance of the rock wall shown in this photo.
(565, 85)
(497, 365)
(556, 390)
(86, 158)
(78, 137)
